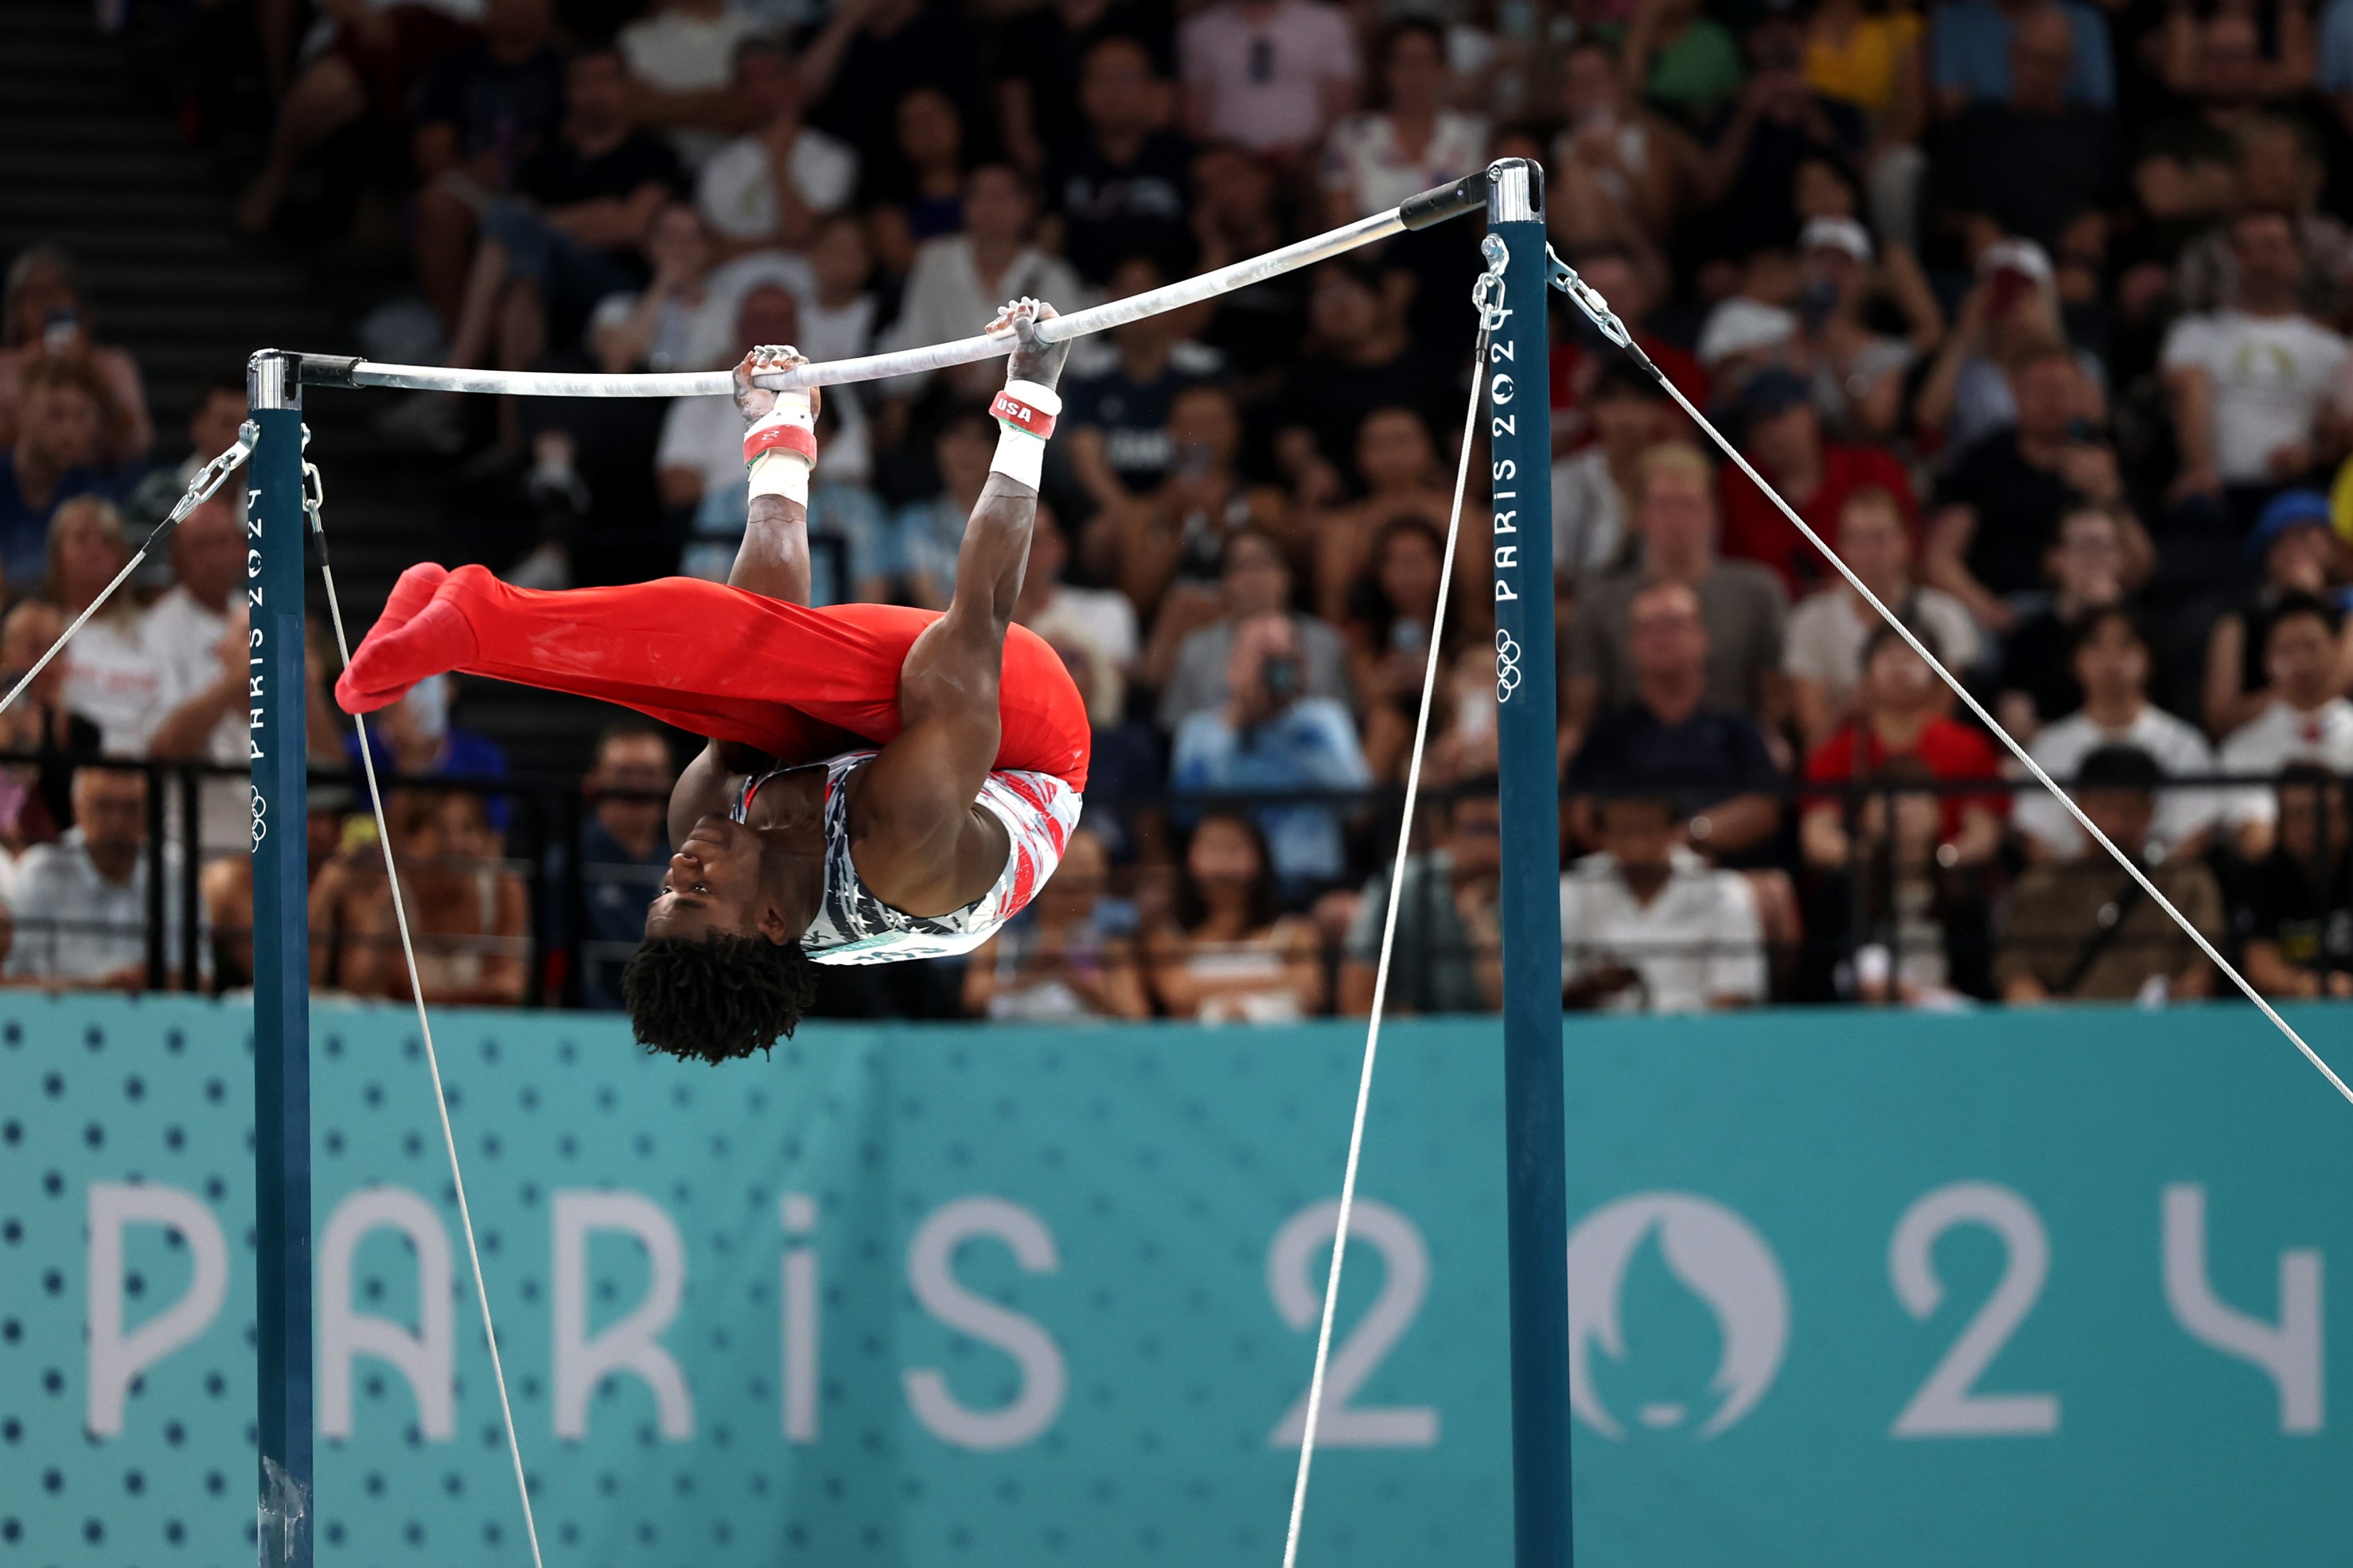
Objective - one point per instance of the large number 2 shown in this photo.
(1947, 1405)
(1405, 1261)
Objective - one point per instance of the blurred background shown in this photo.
(2034, 308)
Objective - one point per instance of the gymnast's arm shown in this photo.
(772, 561)
(918, 836)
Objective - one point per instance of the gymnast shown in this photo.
(880, 783)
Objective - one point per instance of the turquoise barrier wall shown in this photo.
(1848, 1288)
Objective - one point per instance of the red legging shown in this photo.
(794, 683)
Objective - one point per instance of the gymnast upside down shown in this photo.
(879, 784)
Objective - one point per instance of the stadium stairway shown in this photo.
(93, 160)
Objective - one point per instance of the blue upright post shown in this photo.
(282, 958)
(1535, 1133)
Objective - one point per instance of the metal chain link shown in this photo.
(1487, 292)
(214, 474)
(1588, 300)
(314, 492)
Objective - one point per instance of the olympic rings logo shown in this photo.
(260, 825)
(1507, 666)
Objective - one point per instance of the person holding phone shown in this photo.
(1269, 738)
(42, 317)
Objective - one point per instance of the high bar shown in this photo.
(1432, 206)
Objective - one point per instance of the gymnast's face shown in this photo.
(726, 877)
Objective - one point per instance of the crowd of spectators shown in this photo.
(2035, 310)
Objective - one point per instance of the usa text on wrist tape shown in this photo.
(1027, 406)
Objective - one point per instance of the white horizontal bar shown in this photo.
(905, 362)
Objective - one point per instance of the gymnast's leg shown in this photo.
(746, 663)
(718, 661)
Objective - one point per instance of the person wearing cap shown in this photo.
(2112, 662)
(1999, 506)
(1857, 373)
(2082, 930)
(2307, 720)
(2252, 386)
(1781, 432)
(2012, 305)
(1743, 336)
(2294, 546)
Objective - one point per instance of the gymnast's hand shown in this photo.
(755, 402)
(1032, 359)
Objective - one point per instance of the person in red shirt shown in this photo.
(1578, 358)
(1782, 435)
(1903, 715)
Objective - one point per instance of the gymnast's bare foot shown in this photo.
(395, 657)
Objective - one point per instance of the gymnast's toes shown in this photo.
(389, 663)
(411, 594)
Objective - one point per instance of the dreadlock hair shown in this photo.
(715, 998)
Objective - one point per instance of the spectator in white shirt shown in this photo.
(686, 317)
(699, 473)
(667, 324)
(1649, 927)
(959, 282)
(1373, 161)
(110, 675)
(838, 311)
(2111, 662)
(2307, 723)
(769, 186)
(2252, 384)
(80, 904)
(197, 633)
(1591, 488)
(1272, 75)
(682, 57)
(1822, 650)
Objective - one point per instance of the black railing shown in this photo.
(1838, 910)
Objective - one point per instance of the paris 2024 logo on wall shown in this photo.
(1711, 1253)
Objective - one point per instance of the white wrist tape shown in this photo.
(776, 469)
(784, 474)
(791, 407)
(1021, 457)
(1020, 443)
